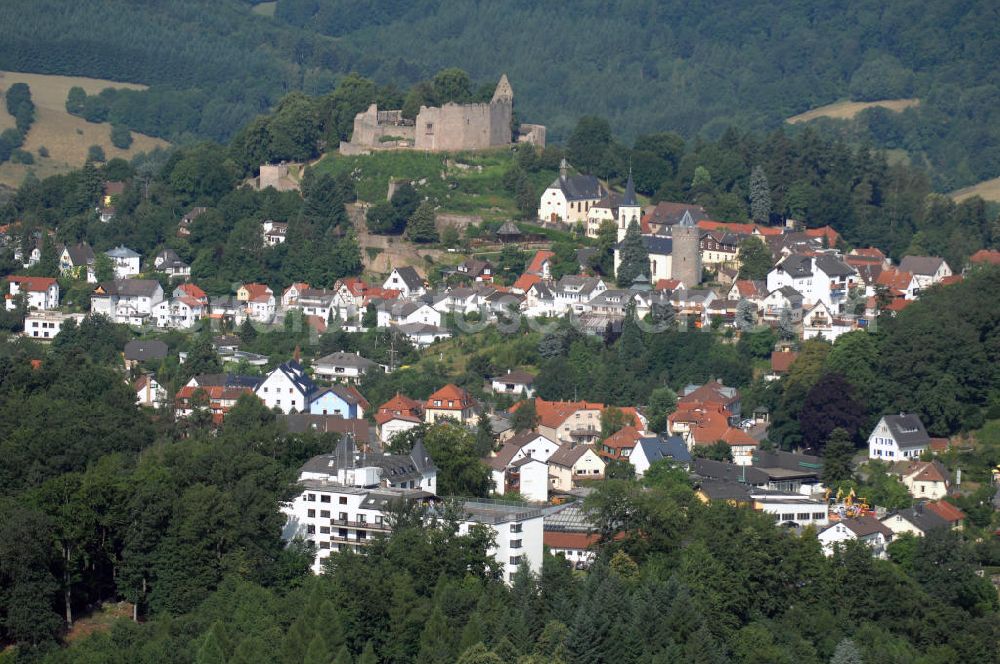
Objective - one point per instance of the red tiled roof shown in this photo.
(710, 393)
(540, 257)
(553, 413)
(256, 292)
(927, 471)
(940, 444)
(402, 405)
(986, 256)
(868, 252)
(781, 361)
(667, 284)
(526, 281)
(739, 229)
(193, 291)
(624, 439)
(951, 279)
(894, 279)
(563, 540)
(831, 236)
(898, 305)
(946, 511)
(746, 288)
(383, 417)
(33, 284)
(451, 397)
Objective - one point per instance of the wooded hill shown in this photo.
(689, 67)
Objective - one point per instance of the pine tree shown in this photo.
(786, 328)
(318, 651)
(247, 332)
(760, 196)
(435, 641)
(472, 633)
(479, 654)
(846, 653)
(421, 226)
(634, 256)
(343, 656)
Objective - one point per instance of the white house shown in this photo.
(781, 299)
(406, 281)
(180, 312)
(125, 260)
(926, 270)
(400, 312)
(78, 260)
(514, 382)
(47, 324)
(819, 321)
(258, 300)
(898, 438)
(824, 278)
(149, 392)
(570, 197)
(569, 464)
(273, 233)
(288, 388)
(127, 301)
(40, 293)
(423, 335)
(927, 480)
(168, 262)
(349, 367)
(866, 529)
(650, 449)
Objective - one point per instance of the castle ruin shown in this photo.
(449, 128)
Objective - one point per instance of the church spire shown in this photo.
(630, 199)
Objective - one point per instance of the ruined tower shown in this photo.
(685, 262)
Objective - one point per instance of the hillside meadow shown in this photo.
(66, 137)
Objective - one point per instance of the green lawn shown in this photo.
(441, 177)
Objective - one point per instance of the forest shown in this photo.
(693, 68)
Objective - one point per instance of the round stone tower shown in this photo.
(685, 263)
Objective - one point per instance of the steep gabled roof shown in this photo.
(458, 397)
(31, 284)
(410, 277)
(578, 187)
(925, 266)
(567, 456)
(946, 511)
(907, 430)
(862, 526)
(535, 267)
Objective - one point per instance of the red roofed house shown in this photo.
(926, 479)
(667, 214)
(781, 362)
(619, 445)
(398, 414)
(452, 402)
(830, 236)
(954, 516)
(220, 399)
(192, 291)
(540, 264)
(705, 415)
(576, 547)
(259, 300)
(899, 284)
(574, 422)
(40, 293)
(524, 282)
(985, 257)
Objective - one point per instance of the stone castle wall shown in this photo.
(372, 125)
(455, 127)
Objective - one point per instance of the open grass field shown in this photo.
(465, 183)
(988, 190)
(66, 137)
(265, 8)
(845, 110)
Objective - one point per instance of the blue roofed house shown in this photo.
(650, 449)
(288, 388)
(343, 400)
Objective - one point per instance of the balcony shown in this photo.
(367, 525)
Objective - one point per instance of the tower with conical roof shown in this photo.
(629, 208)
(685, 261)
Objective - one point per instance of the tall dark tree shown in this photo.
(829, 405)
(634, 257)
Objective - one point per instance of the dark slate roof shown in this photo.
(797, 265)
(509, 228)
(907, 430)
(228, 380)
(169, 258)
(720, 470)
(656, 449)
(802, 465)
(724, 489)
(360, 430)
(410, 277)
(578, 187)
(345, 360)
(667, 214)
(834, 267)
(130, 287)
(516, 377)
(298, 376)
(922, 518)
(630, 199)
(862, 526)
(141, 351)
(790, 294)
(347, 396)
(80, 254)
(656, 244)
(925, 266)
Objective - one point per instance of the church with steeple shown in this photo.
(674, 253)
